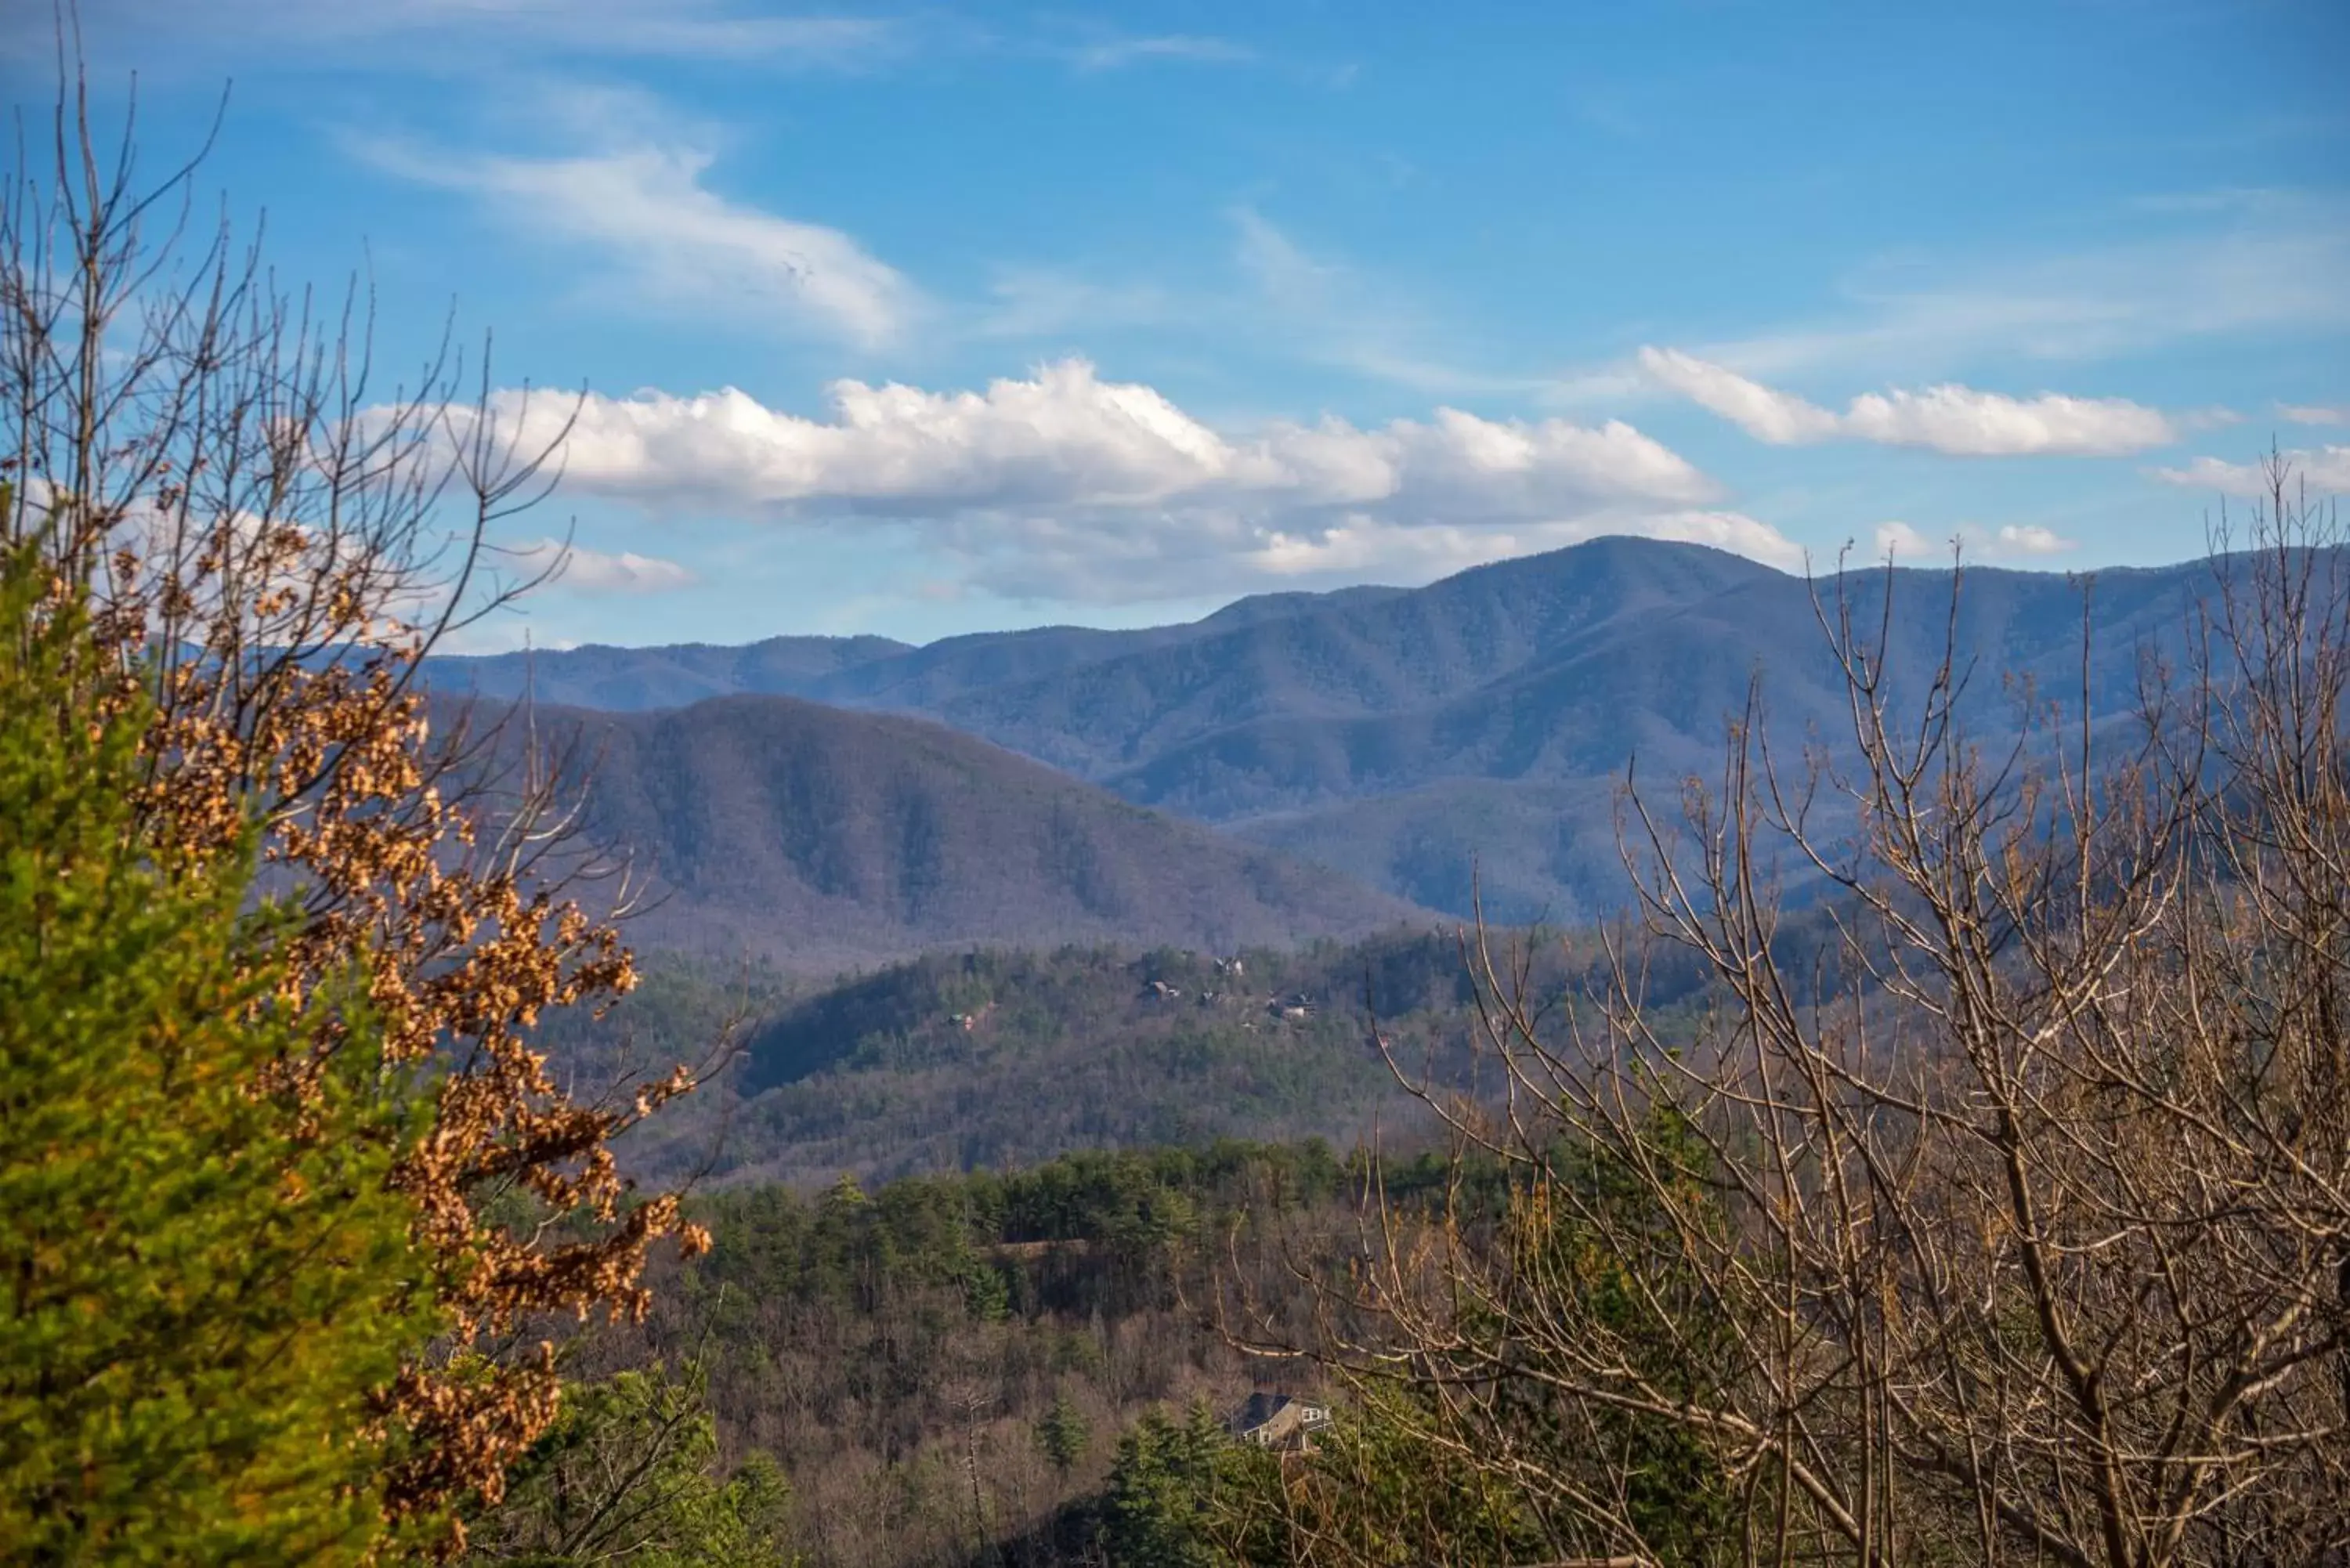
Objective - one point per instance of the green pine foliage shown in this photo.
(628, 1474)
(1185, 1495)
(199, 1289)
(1063, 1435)
(1674, 1327)
(1386, 1494)
(1097, 1230)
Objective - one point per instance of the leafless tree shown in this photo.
(2008, 1221)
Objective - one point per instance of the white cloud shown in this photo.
(1064, 485)
(1966, 423)
(1782, 418)
(1067, 437)
(589, 571)
(2032, 539)
(1913, 546)
(2308, 414)
(2324, 471)
(674, 243)
(1902, 542)
(1958, 421)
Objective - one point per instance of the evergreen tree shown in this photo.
(628, 1474)
(1185, 1495)
(202, 1286)
(1063, 1434)
(1161, 1490)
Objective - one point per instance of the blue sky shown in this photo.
(927, 320)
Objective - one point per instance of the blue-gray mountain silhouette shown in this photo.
(1488, 718)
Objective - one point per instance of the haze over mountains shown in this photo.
(1398, 737)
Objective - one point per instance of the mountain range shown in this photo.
(818, 838)
(1401, 738)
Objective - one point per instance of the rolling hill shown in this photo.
(819, 839)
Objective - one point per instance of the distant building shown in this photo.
(1273, 1421)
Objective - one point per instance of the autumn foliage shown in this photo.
(271, 541)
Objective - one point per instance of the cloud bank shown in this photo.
(1951, 419)
(1065, 485)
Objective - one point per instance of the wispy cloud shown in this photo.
(1049, 302)
(1954, 420)
(1109, 54)
(1279, 266)
(645, 213)
(2228, 264)
(2325, 470)
(2257, 261)
(2311, 414)
(587, 571)
(1333, 313)
(1064, 486)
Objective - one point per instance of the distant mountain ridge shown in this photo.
(1487, 719)
(849, 672)
(821, 838)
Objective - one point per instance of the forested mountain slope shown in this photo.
(989, 1057)
(1486, 720)
(819, 839)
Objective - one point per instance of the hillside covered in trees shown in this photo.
(1410, 740)
(967, 1369)
(818, 840)
(989, 1058)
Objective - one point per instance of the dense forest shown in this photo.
(984, 1059)
(948, 1369)
(1038, 1366)
(988, 1058)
